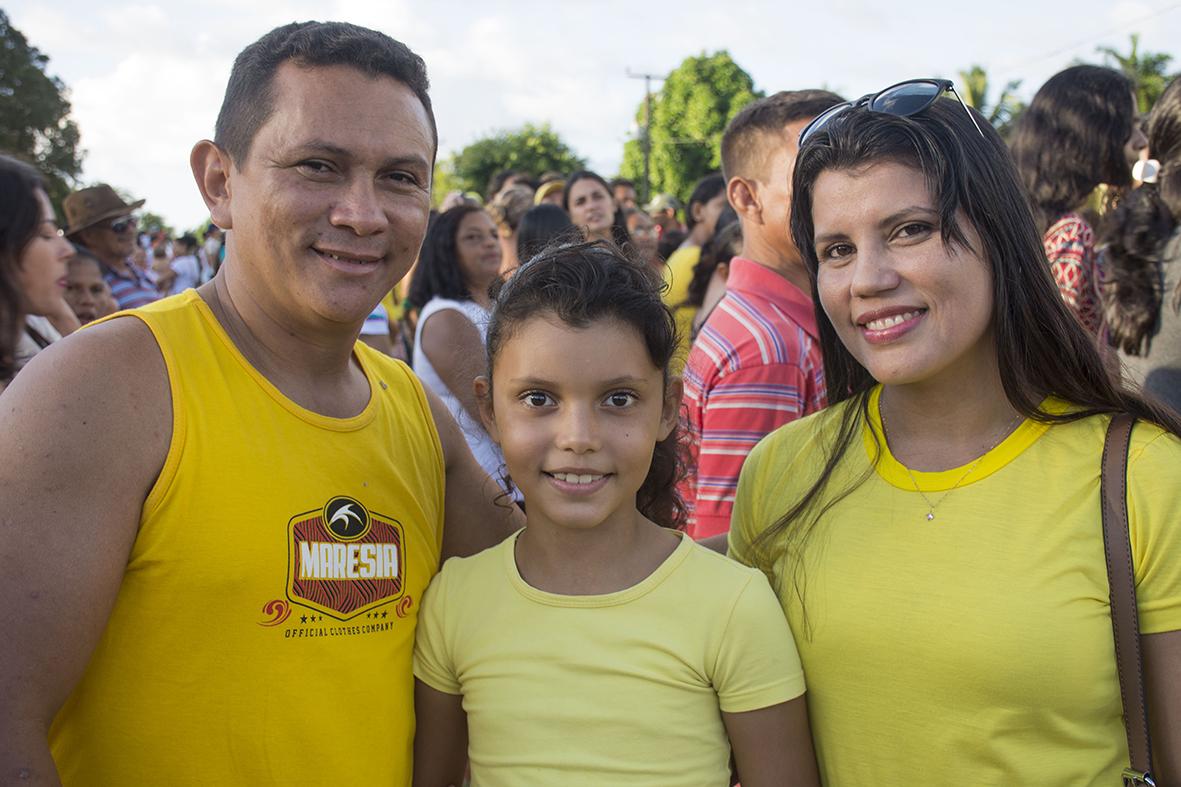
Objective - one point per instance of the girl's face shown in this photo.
(908, 308)
(578, 412)
(477, 244)
(41, 274)
(86, 290)
(591, 207)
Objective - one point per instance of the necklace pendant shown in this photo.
(930, 515)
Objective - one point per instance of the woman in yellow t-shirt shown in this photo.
(935, 535)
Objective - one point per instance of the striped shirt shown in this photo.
(131, 288)
(755, 366)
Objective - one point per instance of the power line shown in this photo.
(1089, 40)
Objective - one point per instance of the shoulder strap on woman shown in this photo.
(1113, 491)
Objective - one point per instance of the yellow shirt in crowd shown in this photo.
(678, 273)
(617, 689)
(975, 648)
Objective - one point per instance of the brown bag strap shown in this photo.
(1113, 492)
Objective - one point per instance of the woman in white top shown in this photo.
(33, 257)
(460, 260)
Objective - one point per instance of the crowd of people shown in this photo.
(795, 481)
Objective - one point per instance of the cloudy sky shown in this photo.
(146, 78)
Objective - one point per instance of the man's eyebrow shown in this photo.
(336, 151)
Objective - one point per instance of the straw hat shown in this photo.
(88, 207)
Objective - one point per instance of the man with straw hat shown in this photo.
(99, 219)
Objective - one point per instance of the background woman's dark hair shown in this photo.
(1136, 233)
(1071, 138)
(437, 273)
(706, 189)
(619, 233)
(19, 222)
(542, 225)
(721, 246)
(580, 284)
(1041, 348)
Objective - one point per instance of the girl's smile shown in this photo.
(577, 412)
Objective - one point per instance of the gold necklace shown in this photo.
(931, 506)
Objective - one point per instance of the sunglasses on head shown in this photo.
(903, 99)
(120, 226)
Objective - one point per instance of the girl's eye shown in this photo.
(536, 398)
(620, 398)
(836, 251)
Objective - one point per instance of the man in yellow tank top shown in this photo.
(218, 514)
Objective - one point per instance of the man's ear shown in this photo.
(743, 195)
(487, 415)
(671, 413)
(211, 169)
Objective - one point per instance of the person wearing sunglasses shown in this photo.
(935, 534)
(100, 221)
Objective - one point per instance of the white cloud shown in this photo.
(147, 76)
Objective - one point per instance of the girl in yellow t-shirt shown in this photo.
(935, 534)
(599, 645)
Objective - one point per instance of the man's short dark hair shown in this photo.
(743, 146)
(250, 94)
(617, 182)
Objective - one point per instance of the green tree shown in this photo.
(1003, 112)
(153, 222)
(533, 149)
(689, 114)
(34, 113)
(1147, 70)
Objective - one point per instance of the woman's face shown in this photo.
(910, 309)
(643, 234)
(86, 290)
(708, 213)
(41, 273)
(591, 207)
(477, 244)
(1137, 141)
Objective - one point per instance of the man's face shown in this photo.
(330, 206)
(111, 240)
(775, 191)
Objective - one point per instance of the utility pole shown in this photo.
(646, 135)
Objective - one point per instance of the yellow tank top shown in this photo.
(264, 630)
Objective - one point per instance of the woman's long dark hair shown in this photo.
(1040, 347)
(580, 284)
(619, 233)
(19, 221)
(1136, 233)
(1071, 138)
(437, 273)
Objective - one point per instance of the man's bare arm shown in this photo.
(477, 514)
(86, 430)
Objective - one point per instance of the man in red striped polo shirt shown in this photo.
(756, 362)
